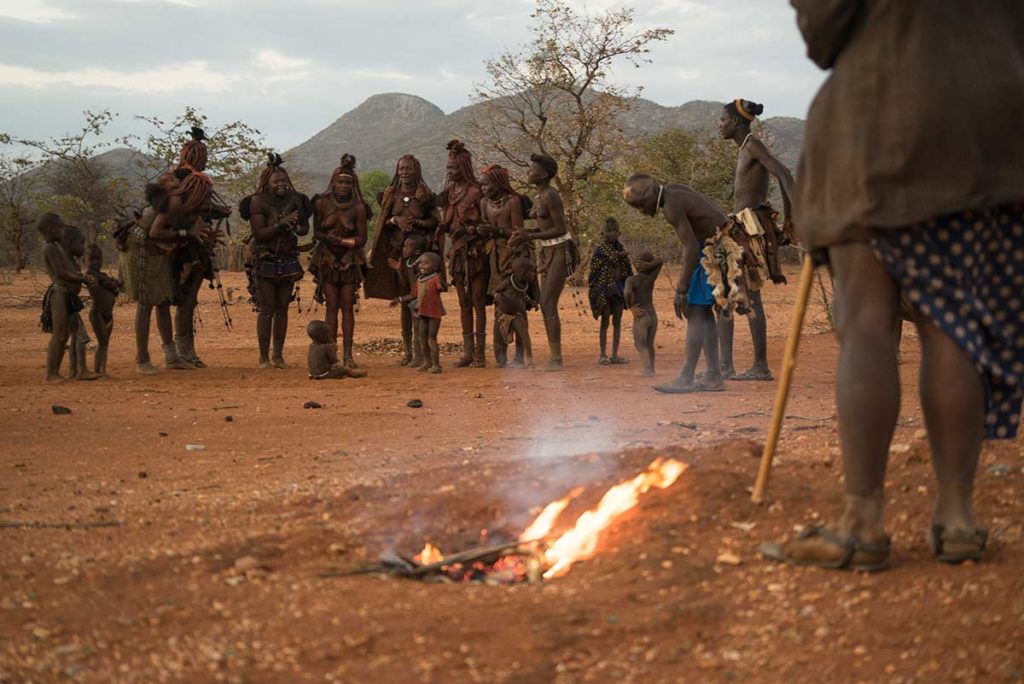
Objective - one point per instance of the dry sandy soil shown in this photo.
(118, 546)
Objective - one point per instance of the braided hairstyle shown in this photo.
(274, 165)
(195, 191)
(194, 153)
(457, 151)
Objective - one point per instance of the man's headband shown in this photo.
(741, 111)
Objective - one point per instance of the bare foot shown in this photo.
(278, 362)
(264, 364)
(55, 378)
(87, 375)
(434, 369)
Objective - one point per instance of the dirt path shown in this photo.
(145, 587)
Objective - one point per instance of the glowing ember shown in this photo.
(429, 555)
(580, 542)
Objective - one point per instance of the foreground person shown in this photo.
(609, 268)
(460, 216)
(557, 257)
(339, 225)
(695, 219)
(278, 215)
(754, 165)
(914, 183)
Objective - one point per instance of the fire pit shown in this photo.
(538, 553)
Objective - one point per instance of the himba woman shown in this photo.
(460, 216)
(407, 206)
(193, 260)
(502, 216)
(339, 226)
(167, 224)
(558, 255)
(278, 215)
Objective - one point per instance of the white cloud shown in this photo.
(34, 11)
(273, 59)
(182, 76)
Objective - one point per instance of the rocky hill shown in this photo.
(386, 126)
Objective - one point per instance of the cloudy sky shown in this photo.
(291, 67)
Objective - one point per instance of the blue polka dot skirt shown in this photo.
(965, 272)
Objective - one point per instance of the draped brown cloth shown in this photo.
(382, 281)
(919, 118)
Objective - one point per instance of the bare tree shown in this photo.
(74, 180)
(19, 185)
(553, 95)
(236, 150)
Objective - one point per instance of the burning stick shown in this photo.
(483, 554)
(788, 364)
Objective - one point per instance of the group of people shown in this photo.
(472, 235)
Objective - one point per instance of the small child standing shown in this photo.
(408, 271)
(73, 242)
(430, 309)
(639, 299)
(322, 359)
(103, 292)
(65, 283)
(512, 299)
(609, 268)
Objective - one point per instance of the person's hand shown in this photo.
(395, 302)
(681, 306)
(404, 223)
(395, 264)
(483, 230)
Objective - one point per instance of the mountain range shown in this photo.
(388, 125)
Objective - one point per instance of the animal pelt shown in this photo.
(723, 260)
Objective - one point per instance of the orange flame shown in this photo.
(429, 555)
(542, 524)
(580, 542)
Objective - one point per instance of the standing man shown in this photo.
(754, 165)
(913, 181)
(695, 219)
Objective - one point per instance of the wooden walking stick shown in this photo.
(788, 364)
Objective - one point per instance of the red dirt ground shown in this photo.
(311, 494)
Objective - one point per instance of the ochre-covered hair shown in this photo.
(194, 153)
(274, 165)
(499, 175)
(195, 190)
(457, 151)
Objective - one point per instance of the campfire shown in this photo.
(539, 552)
